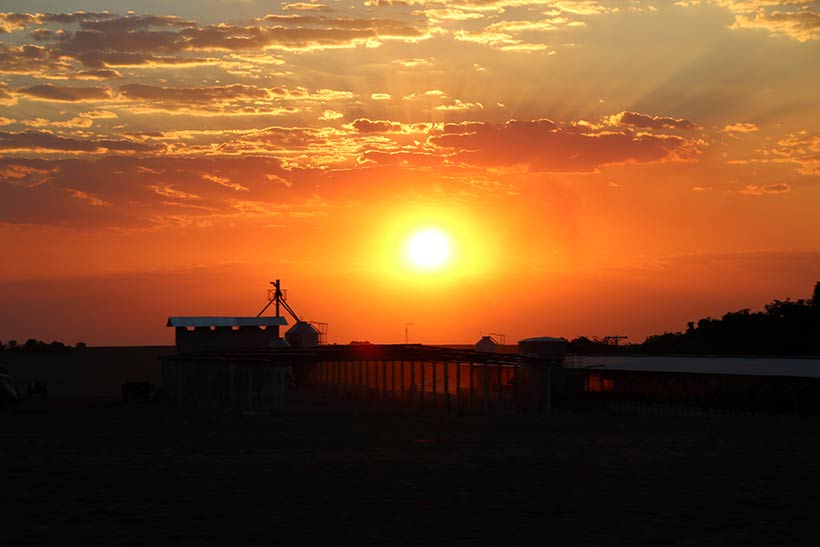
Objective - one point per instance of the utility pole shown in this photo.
(407, 332)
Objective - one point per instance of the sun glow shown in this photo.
(428, 249)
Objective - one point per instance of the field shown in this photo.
(82, 468)
(92, 372)
(105, 473)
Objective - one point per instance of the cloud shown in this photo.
(43, 141)
(195, 95)
(25, 175)
(329, 115)
(794, 19)
(92, 200)
(801, 148)
(233, 99)
(98, 74)
(7, 97)
(459, 106)
(51, 92)
(224, 181)
(543, 145)
(103, 41)
(801, 25)
(755, 190)
(741, 127)
(32, 60)
(304, 6)
(169, 191)
(132, 192)
(363, 125)
(645, 121)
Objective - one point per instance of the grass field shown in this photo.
(92, 372)
(83, 473)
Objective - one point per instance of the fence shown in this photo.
(462, 381)
(448, 385)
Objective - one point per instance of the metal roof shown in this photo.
(304, 327)
(363, 352)
(542, 339)
(226, 322)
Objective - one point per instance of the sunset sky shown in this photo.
(598, 168)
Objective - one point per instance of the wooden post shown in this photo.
(446, 388)
(421, 383)
(433, 390)
(392, 379)
(486, 387)
(472, 386)
(458, 385)
(500, 382)
(412, 374)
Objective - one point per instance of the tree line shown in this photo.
(38, 346)
(784, 327)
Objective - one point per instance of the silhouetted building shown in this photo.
(487, 344)
(197, 334)
(302, 335)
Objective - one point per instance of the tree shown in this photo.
(815, 299)
(80, 345)
(12, 344)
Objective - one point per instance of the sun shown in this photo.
(428, 249)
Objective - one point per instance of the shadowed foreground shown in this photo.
(113, 474)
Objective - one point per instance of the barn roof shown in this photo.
(303, 326)
(226, 321)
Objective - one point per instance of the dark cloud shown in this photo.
(196, 95)
(30, 59)
(130, 23)
(105, 40)
(646, 121)
(543, 146)
(50, 92)
(363, 125)
(132, 192)
(98, 74)
(45, 141)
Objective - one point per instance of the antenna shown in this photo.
(276, 296)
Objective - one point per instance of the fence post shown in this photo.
(547, 391)
(458, 386)
(486, 369)
(421, 382)
(446, 388)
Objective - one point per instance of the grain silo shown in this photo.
(487, 344)
(303, 335)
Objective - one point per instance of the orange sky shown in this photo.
(599, 167)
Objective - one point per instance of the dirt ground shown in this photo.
(106, 473)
